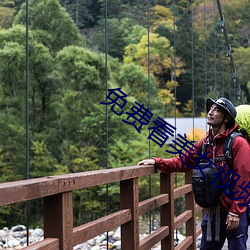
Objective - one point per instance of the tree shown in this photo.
(13, 150)
(40, 60)
(53, 25)
(42, 163)
(120, 9)
(118, 31)
(242, 64)
(161, 16)
(135, 81)
(6, 17)
(84, 13)
(12, 59)
(161, 59)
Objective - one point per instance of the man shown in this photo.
(221, 115)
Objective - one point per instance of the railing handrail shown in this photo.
(50, 185)
(58, 208)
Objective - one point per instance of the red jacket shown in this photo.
(241, 165)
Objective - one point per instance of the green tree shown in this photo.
(161, 57)
(13, 148)
(161, 60)
(53, 25)
(12, 108)
(42, 163)
(6, 17)
(78, 72)
(241, 56)
(136, 83)
(161, 16)
(84, 13)
(40, 60)
(117, 31)
(131, 9)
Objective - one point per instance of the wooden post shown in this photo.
(167, 210)
(58, 219)
(190, 205)
(129, 198)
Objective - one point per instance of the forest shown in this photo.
(57, 69)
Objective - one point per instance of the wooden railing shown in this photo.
(56, 192)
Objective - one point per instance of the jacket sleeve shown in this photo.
(185, 162)
(241, 166)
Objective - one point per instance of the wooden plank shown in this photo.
(129, 196)
(185, 244)
(90, 230)
(94, 178)
(182, 218)
(46, 244)
(152, 203)
(198, 231)
(198, 209)
(182, 190)
(154, 238)
(58, 219)
(24, 190)
(167, 210)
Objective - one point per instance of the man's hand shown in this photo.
(232, 221)
(146, 162)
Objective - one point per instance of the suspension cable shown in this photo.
(107, 120)
(221, 46)
(229, 53)
(205, 50)
(192, 24)
(27, 207)
(175, 94)
(215, 53)
(149, 147)
(27, 89)
(174, 75)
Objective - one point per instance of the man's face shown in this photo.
(215, 116)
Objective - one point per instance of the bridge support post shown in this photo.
(167, 210)
(129, 198)
(58, 219)
(190, 205)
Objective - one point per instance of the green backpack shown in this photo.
(243, 120)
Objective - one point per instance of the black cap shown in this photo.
(223, 103)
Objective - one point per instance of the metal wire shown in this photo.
(174, 75)
(107, 121)
(149, 145)
(175, 94)
(193, 107)
(215, 53)
(205, 50)
(229, 54)
(27, 206)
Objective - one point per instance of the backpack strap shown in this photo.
(227, 148)
(203, 148)
(217, 213)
